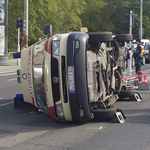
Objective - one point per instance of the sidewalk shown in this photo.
(12, 66)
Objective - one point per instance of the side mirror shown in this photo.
(48, 30)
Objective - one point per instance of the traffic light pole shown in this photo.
(141, 18)
(130, 32)
(18, 46)
(26, 23)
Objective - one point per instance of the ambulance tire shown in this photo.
(126, 93)
(102, 114)
(124, 37)
(98, 37)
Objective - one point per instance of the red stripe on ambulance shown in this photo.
(48, 45)
(29, 76)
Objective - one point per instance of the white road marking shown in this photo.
(6, 104)
(12, 79)
(7, 74)
(8, 71)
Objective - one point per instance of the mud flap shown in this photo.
(118, 117)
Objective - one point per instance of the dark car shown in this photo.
(146, 52)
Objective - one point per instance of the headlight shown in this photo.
(81, 111)
(59, 110)
(55, 48)
(55, 45)
(77, 44)
(71, 82)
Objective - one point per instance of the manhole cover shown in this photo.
(7, 133)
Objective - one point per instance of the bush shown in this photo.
(10, 55)
(12, 50)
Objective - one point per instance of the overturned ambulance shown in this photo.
(74, 76)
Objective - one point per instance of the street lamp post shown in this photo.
(141, 18)
(26, 3)
(130, 32)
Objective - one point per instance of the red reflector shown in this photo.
(48, 45)
(52, 112)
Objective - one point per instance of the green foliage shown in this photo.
(93, 16)
(12, 50)
(15, 8)
(64, 16)
(10, 55)
(70, 15)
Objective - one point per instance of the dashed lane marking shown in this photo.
(97, 128)
(6, 104)
(12, 79)
(7, 74)
(8, 71)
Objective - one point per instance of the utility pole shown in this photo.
(141, 18)
(26, 7)
(130, 25)
(18, 46)
(130, 32)
(19, 25)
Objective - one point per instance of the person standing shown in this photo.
(138, 55)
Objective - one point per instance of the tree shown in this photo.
(64, 16)
(116, 10)
(14, 12)
(93, 17)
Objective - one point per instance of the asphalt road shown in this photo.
(29, 130)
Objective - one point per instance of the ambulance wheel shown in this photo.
(126, 93)
(97, 37)
(101, 114)
(124, 37)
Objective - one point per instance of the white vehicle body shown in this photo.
(143, 42)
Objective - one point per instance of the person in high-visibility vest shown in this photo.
(138, 55)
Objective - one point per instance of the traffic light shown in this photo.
(133, 19)
(24, 25)
(20, 24)
(127, 19)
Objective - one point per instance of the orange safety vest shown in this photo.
(142, 52)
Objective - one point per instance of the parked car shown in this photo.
(143, 42)
(146, 52)
(74, 76)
